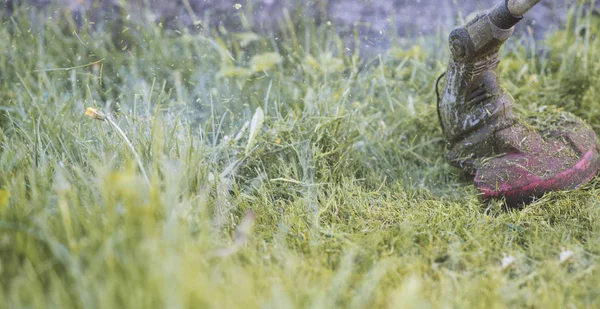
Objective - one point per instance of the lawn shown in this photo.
(281, 170)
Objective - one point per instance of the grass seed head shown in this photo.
(94, 113)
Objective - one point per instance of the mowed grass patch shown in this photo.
(284, 171)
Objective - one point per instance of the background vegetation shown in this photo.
(284, 171)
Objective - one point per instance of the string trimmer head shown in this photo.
(509, 157)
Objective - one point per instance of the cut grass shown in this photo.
(345, 183)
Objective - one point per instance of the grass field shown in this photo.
(283, 171)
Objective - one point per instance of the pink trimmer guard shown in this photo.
(563, 158)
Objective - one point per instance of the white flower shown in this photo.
(507, 261)
(565, 255)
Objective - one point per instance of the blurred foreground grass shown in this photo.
(285, 171)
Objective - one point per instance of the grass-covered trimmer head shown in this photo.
(510, 158)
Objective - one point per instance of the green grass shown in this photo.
(341, 198)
